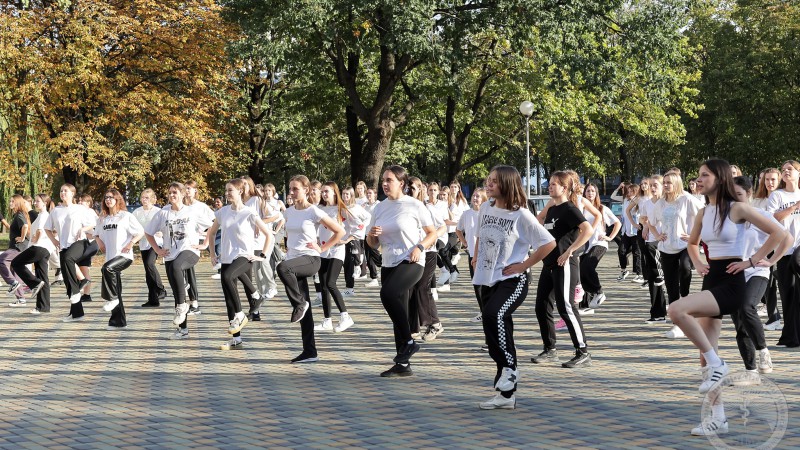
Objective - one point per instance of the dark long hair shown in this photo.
(725, 192)
(401, 175)
(509, 182)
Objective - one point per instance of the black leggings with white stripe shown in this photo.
(561, 281)
(501, 300)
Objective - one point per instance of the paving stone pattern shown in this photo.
(77, 385)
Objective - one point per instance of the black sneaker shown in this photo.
(299, 312)
(58, 282)
(406, 353)
(150, 305)
(162, 295)
(255, 317)
(656, 320)
(398, 370)
(85, 298)
(305, 358)
(194, 311)
(83, 283)
(257, 304)
(580, 359)
(548, 355)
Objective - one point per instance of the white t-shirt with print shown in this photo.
(180, 229)
(301, 228)
(780, 200)
(504, 238)
(402, 223)
(116, 231)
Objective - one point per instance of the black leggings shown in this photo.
(39, 257)
(353, 257)
(373, 258)
(294, 274)
(474, 286)
(749, 331)
(239, 269)
(155, 287)
(421, 306)
(771, 297)
(787, 273)
(677, 269)
(176, 269)
(560, 281)
(502, 299)
(329, 270)
(655, 280)
(396, 285)
(79, 251)
(112, 288)
(588, 265)
(627, 245)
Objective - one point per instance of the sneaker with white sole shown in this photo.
(356, 272)
(433, 332)
(13, 287)
(180, 313)
(455, 259)
(305, 358)
(653, 320)
(624, 274)
(713, 376)
(373, 283)
(216, 276)
(710, 427)
(435, 294)
(325, 325)
(453, 277)
(581, 359)
(75, 298)
(115, 328)
(549, 355)
(762, 310)
(675, 332)
(271, 293)
(237, 323)
(298, 312)
(638, 279)
(499, 402)
(764, 361)
(348, 292)
(180, 334)
(19, 302)
(443, 288)
(69, 318)
(597, 300)
(478, 318)
(110, 305)
(35, 312)
(444, 277)
(35, 291)
(774, 326)
(586, 311)
(232, 344)
(345, 322)
(508, 379)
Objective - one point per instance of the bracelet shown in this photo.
(751, 262)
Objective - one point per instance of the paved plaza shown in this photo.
(76, 385)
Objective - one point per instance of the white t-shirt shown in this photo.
(440, 213)
(301, 228)
(780, 200)
(371, 207)
(504, 238)
(325, 234)
(628, 228)
(674, 219)
(256, 204)
(144, 217)
(355, 224)
(43, 240)
(237, 228)
(67, 221)
(180, 228)
(116, 231)
(402, 222)
(207, 214)
(361, 201)
(646, 209)
(754, 239)
(456, 210)
(468, 224)
(608, 219)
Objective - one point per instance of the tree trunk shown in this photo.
(368, 166)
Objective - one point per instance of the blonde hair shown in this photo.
(677, 186)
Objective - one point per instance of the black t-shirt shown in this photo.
(562, 222)
(16, 230)
(32, 214)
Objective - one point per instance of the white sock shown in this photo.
(256, 312)
(404, 365)
(718, 412)
(195, 304)
(344, 314)
(237, 339)
(256, 296)
(712, 359)
(410, 342)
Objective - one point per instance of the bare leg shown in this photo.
(684, 313)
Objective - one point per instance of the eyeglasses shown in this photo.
(108, 197)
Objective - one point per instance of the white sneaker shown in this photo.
(325, 325)
(637, 279)
(764, 361)
(356, 272)
(586, 311)
(232, 344)
(348, 292)
(75, 298)
(345, 322)
(712, 377)
(762, 310)
(456, 258)
(218, 266)
(271, 293)
(675, 332)
(624, 274)
(435, 294)
(453, 277)
(444, 276)
(110, 305)
(237, 323)
(433, 332)
(443, 288)
(597, 300)
(373, 283)
(478, 318)
(216, 276)
(179, 334)
(113, 328)
(180, 313)
(69, 318)
(499, 402)
(747, 378)
(774, 326)
(508, 379)
(710, 426)
(35, 312)
(18, 302)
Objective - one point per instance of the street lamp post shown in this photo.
(526, 109)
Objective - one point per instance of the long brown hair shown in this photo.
(596, 202)
(566, 180)
(118, 206)
(795, 164)
(725, 191)
(17, 206)
(762, 191)
(510, 183)
(419, 194)
(337, 200)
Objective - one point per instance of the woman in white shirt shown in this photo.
(634, 209)
(180, 226)
(331, 262)
(116, 233)
(670, 224)
(355, 224)
(457, 204)
(627, 242)
(263, 275)
(303, 258)
(403, 228)
(654, 274)
(237, 223)
(37, 254)
(441, 213)
(769, 180)
(508, 231)
(467, 232)
(597, 247)
(360, 193)
(144, 214)
(372, 255)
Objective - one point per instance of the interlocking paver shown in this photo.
(79, 386)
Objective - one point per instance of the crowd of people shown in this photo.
(750, 242)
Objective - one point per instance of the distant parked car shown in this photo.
(536, 203)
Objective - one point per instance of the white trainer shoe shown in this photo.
(348, 292)
(774, 326)
(713, 376)
(325, 325)
(764, 361)
(180, 313)
(443, 288)
(345, 322)
(372, 283)
(508, 379)
(597, 300)
(675, 332)
(110, 305)
(710, 426)
(499, 402)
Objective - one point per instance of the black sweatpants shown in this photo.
(588, 265)
(329, 270)
(155, 287)
(502, 299)
(771, 297)
(787, 273)
(559, 281)
(239, 269)
(176, 270)
(373, 258)
(628, 245)
(475, 287)
(111, 288)
(294, 273)
(422, 307)
(655, 280)
(677, 270)
(70, 257)
(39, 256)
(396, 285)
(353, 257)
(749, 331)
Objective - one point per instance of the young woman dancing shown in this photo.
(144, 214)
(467, 231)
(597, 247)
(37, 254)
(769, 180)
(17, 239)
(507, 232)
(654, 274)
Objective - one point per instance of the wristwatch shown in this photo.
(420, 247)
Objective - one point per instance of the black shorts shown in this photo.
(728, 289)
